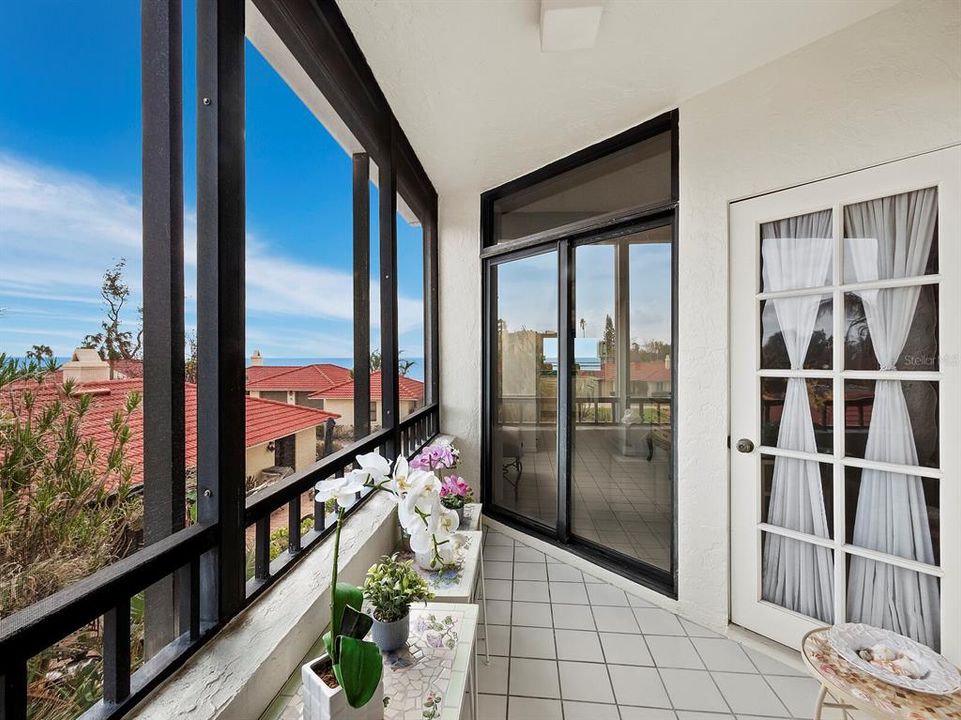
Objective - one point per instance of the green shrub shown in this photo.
(67, 509)
(391, 586)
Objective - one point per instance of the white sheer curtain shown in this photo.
(891, 238)
(797, 254)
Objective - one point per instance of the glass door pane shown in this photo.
(621, 484)
(524, 387)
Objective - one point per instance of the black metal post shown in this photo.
(163, 308)
(388, 294)
(361, 227)
(13, 691)
(565, 351)
(262, 548)
(431, 308)
(293, 526)
(220, 274)
(116, 653)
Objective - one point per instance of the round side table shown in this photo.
(850, 688)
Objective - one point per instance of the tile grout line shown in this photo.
(557, 660)
(600, 642)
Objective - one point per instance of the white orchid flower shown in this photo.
(445, 553)
(374, 466)
(422, 539)
(344, 489)
(448, 521)
(423, 495)
(402, 479)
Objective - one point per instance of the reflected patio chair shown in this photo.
(512, 446)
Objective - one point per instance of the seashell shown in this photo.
(883, 652)
(907, 667)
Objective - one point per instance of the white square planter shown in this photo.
(325, 703)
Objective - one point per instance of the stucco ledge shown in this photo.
(237, 673)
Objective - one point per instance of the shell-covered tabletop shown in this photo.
(456, 582)
(869, 693)
(426, 679)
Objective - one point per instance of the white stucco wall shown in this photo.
(885, 88)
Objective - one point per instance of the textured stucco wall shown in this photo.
(887, 87)
(460, 327)
(306, 447)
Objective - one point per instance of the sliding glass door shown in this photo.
(620, 414)
(524, 387)
(578, 435)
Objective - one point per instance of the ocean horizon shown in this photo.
(416, 371)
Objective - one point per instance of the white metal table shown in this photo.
(438, 660)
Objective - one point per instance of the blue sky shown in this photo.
(70, 191)
(536, 277)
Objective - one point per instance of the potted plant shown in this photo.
(391, 586)
(346, 682)
(455, 494)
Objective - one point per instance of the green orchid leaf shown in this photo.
(359, 669)
(345, 595)
(355, 624)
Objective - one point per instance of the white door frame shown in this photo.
(941, 168)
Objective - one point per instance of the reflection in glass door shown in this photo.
(621, 479)
(524, 387)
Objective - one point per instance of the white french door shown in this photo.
(846, 404)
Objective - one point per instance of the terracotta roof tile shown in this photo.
(409, 389)
(265, 419)
(312, 378)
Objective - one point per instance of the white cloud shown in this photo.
(59, 231)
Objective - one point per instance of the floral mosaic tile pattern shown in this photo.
(455, 583)
(426, 680)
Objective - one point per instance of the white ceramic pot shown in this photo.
(324, 703)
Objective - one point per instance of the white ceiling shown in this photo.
(482, 104)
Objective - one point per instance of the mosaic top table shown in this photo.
(458, 582)
(426, 679)
(855, 689)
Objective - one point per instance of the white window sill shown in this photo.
(238, 673)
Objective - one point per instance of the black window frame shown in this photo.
(195, 576)
(563, 240)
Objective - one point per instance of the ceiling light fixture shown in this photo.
(569, 24)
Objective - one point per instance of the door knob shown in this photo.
(744, 445)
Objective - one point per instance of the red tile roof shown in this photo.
(647, 371)
(270, 420)
(409, 389)
(312, 378)
(266, 420)
(126, 369)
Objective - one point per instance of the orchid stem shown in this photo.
(334, 621)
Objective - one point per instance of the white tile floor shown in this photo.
(622, 502)
(567, 646)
